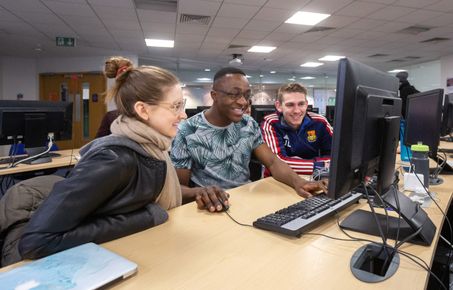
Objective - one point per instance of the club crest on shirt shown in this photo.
(311, 136)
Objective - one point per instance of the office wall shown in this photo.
(18, 76)
(446, 72)
(425, 76)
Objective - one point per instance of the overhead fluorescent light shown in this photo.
(307, 78)
(306, 18)
(261, 76)
(262, 49)
(159, 42)
(396, 71)
(207, 69)
(331, 57)
(272, 71)
(203, 79)
(311, 64)
(247, 76)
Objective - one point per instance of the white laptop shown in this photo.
(88, 266)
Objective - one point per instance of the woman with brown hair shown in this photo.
(123, 183)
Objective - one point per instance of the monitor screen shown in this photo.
(423, 119)
(367, 110)
(31, 121)
(330, 113)
(310, 108)
(260, 111)
(447, 116)
(202, 108)
(191, 112)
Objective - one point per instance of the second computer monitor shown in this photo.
(423, 119)
(259, 111)
(447, 116)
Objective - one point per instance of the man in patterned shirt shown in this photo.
(213, 148)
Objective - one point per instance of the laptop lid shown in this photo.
(88, 266)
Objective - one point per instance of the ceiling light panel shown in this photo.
(311, 64)
(331, 57)
(159, 42)
(261, 49)
(306, 18)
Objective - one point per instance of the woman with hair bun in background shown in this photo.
(123, 183)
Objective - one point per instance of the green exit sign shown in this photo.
(65, 41)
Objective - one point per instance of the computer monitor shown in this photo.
(202, 108)
(312, 109)
(447, 116)
(31, 121)
(423, 119)
(260, 111)
(365, 139)
(191, 112)
(330, 114)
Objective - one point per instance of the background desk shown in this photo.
(199, 250)
(67, 158)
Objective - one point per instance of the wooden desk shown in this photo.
(198, 250)
(67, 158)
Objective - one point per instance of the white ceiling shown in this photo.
(104, 27)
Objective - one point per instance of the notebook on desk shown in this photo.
(88, 266)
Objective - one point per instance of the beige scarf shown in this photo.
(157, 145)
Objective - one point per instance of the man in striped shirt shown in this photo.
(301, 139)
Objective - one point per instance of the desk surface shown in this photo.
(67, 158)
(199, 250)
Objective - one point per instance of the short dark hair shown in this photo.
(227, 70)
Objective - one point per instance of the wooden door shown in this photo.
(86, 92)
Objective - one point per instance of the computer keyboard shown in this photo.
(11, 159)
(302, 216)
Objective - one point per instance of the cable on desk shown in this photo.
(241, 224)
(406, 254)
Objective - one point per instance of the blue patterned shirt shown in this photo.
(216, 155)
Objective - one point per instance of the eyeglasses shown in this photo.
(236, 95)
(176, 108)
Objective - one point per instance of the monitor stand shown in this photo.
(413, 219)
(45, 158)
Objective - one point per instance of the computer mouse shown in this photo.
(225, 207)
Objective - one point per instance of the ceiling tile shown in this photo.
(326, 6)
(419, 16)
(239, 11)
(415, 3)
(391, 13)
(262, 25)
(64, 8)
(112, 3)
(115, 13)
(360, 9)
(157, 16)
(287, 4)
(24, 5)
(252, 34)
(365, 24)
(273, 14)
(441, 6)
(228, 22)
(338, 21)
(199, 7)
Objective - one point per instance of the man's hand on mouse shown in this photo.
(211, 198)
(308, 188)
